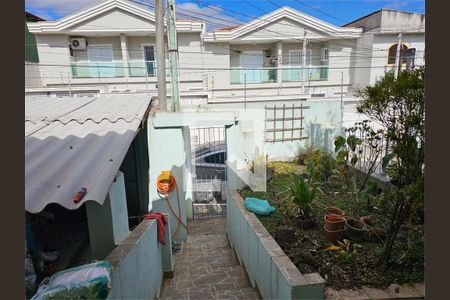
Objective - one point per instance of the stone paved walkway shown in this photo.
(206, 267)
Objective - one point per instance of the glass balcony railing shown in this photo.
(309, 73)
(136, 68)
(264, 75)
(257, 75)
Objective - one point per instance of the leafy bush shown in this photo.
(319, 165)
(398, 104)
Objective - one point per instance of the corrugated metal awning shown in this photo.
(77, 143)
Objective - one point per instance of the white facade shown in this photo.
(120, 52)
(381, 31)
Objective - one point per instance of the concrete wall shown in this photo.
(32, 75)
(267, 265)
(168, 151)
(108, 223)
(138, 267)
(323, 121)
(54, 56)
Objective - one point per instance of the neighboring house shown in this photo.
(265, 57)
(32, 75)
(377, 47)
(111, 46)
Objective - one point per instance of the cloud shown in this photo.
(214, 16)
(55, 9)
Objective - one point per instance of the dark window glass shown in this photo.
(393, 53)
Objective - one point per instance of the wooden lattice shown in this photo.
(289, 124)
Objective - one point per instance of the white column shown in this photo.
(280, 63)
(125, 53)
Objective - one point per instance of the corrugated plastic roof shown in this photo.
(77, 143)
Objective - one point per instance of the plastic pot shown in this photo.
(334, 222)
(333, 235)
(354, 229)
(332, 210)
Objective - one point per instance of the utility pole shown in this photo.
(305, 42)
(173, 54)
(160, 55)
(398, 63)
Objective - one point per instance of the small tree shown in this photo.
(398, 104)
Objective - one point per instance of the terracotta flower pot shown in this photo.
(333, 235)
(354, 229)
(334, 222)
(332, 210)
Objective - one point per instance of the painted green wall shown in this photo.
(31, 52)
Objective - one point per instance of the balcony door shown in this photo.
(251, 63)
(101, 60)
(149, 59)
(295, 64)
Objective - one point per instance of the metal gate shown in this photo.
(209, 153)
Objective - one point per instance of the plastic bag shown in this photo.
(92, 281)
(258, 206)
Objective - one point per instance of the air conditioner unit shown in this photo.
(78, 43)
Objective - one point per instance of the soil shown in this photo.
(361, 264)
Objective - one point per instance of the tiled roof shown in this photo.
(228, 28)
(72, 143)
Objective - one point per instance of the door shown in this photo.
(251, 65)
(295, 63)
(149, 59)
(101, 61)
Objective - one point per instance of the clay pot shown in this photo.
(354, 229)
(333, 235)
(334, 222)
(332, 210)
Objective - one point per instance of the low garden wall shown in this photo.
(268, 267)
(139, 263)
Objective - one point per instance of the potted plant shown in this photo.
(301, 193)
(355, 229)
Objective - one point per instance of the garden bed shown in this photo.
(358, 265)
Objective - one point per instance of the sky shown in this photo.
(222, 13)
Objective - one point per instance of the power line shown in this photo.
(321, 11)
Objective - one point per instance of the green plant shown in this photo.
(301, 193)
(398, 104)
(319, 165)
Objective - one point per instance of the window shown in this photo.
(392, 54)
(149, 58)
(325, 54)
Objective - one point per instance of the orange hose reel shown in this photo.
(165, 184)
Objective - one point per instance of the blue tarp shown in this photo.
(258, 206)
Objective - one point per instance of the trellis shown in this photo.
(289, 124)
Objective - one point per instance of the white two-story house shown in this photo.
(283, 54)
(110, 46)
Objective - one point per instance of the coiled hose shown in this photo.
(165, 184)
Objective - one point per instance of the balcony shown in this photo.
(257, 75)
(265, 75)
(136, 68)
(313, 73)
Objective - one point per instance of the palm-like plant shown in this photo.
(301, 192)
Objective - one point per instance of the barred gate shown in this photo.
(208, 148)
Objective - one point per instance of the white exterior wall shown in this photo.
(32, 75)
(53, 50)
(381, 45)
(217, 56)
(362, 61)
